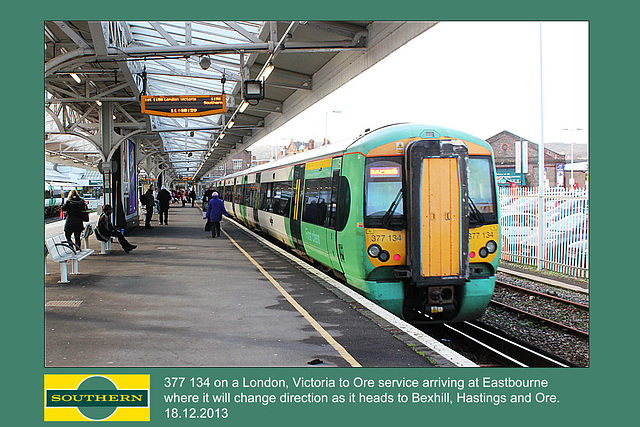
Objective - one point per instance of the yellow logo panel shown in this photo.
(96, 397)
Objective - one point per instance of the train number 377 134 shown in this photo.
(386, 238)
(481, 235)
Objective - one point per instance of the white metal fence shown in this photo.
(564, 246)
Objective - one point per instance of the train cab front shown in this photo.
(435, 226)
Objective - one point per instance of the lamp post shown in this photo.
(326, 124)
(571, 180)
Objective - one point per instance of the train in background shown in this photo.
(56, 191)
(407, 215)
(54, 194)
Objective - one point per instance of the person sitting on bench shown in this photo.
(106, 230)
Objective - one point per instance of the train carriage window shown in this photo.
(266, 197)
(253, 190)
(238, 194)
(245, 194)
(281, 198)
(482, 189)
(317, 194)
(344, 204)
(333, 205)
(383, 192)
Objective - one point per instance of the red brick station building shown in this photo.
(508, 146)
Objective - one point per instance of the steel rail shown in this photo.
(557, 325)
(507, 350)
(542, 295)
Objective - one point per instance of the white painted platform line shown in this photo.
(418, 335)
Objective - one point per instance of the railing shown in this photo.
(565, 245)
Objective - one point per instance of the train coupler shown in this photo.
(402, 273)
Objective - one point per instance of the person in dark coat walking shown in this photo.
(106, 230)
(215, 209)
(206, 197)
(148, 202)
(192, 197)
(75, 208)
(164, 198)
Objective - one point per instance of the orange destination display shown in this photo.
(385, 171)
(184, 105)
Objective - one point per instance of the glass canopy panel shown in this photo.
(166, 76)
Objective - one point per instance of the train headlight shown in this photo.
(374, 251)
(492, 246)
(483, 252)
(384, 256)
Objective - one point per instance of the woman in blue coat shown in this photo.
(215, 209)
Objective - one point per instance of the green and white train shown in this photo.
(406, 214)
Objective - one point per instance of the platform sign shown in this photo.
(506, 178)
(184, 105)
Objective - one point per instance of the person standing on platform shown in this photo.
(106, 230)
(148, 202)
(206, 197)
(77, 213)
(164, 198)
(192, 197)
(215, 209)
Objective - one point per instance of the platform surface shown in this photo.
(184, 299)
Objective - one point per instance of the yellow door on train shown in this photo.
(440, 217)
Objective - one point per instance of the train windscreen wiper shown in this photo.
(386, 218)
(475, 213)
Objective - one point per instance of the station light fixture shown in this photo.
(243, 106)
(230, 124)
(75, 77)
(266, 73)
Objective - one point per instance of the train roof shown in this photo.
(330, 150)
(318, 153)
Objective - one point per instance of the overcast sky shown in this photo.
(477, 77)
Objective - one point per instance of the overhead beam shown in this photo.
(246, 34)
(97, 36)
(77, 39)
(164, 33)
(80, 56)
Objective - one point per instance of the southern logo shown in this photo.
(96, 397)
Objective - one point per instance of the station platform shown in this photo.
(184, 299)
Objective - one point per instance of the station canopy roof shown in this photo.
(96, 71)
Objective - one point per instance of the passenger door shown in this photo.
(332, 241)
(296, 206)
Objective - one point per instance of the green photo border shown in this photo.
(600, 393)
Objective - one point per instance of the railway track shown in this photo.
(577, 311)
(496, 346)
(541, 295)
(507, 351)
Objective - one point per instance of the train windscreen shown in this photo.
(482, 189)
(383, 193)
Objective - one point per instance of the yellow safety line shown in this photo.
(340, 349)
